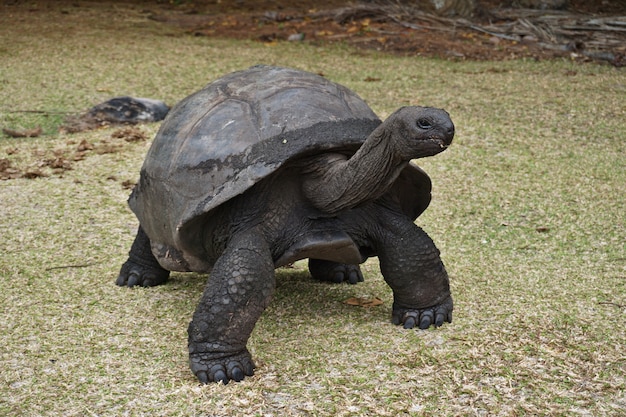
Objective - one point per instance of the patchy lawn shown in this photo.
(527, 211)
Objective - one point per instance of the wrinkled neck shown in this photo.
(337, 183)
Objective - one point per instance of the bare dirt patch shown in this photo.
(585, 31)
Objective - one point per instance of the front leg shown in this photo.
(238, 290)
(423, 317)
(410, 264)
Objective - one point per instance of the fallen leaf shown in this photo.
(324, 33)
(84, 146)
(31, 174)
(7, 172)
(27, 133)
(108, 148)
(364, 301)
(79, 156)
(130, 134)
(128, 184)
(5, 164)
(57, 163)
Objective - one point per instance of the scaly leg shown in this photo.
(239, 288)
(141, 268)
(410, 264)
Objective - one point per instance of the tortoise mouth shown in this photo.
(441, 142)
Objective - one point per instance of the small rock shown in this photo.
(529, 39)
(130, 110)
(296, 37)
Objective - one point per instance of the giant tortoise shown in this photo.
(268, 166)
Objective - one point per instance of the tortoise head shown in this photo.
(417, 132)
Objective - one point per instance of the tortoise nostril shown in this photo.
(450, 129)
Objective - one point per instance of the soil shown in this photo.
(332, 21)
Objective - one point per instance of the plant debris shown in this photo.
(584, 32)
(26, 133)
(364, 301)
(128, 184)
(130, 134)
(58, 161)
(7, 171)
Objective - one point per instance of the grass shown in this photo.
(527, 211)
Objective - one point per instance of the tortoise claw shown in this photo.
(335, 272)
(134, 274)
(410, 320)
(232, 368)
(425, 317)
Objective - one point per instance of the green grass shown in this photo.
(527, 211)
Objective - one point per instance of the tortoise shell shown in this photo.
(220, 141)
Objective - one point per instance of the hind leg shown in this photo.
(141, 268)
(335, 272)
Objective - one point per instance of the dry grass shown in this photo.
(528, 212)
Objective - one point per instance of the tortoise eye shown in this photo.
(424, 124)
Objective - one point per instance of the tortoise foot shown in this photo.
(209, 367)
(335, 272)
(423, 317)
(134, 274)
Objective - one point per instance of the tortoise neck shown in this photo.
(338, 183)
